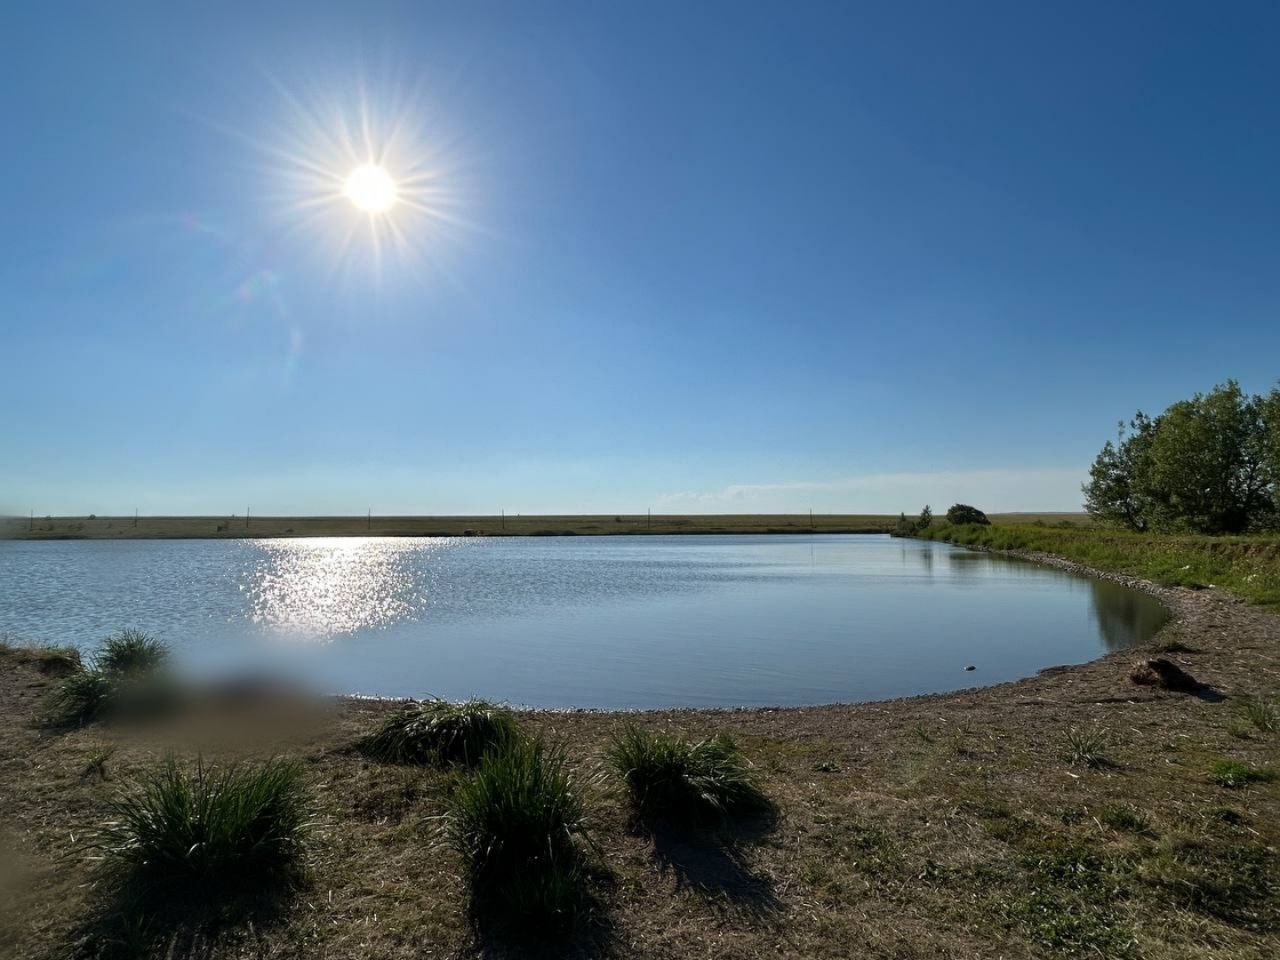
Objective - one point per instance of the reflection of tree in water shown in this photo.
(913, 556)
(1125, 617)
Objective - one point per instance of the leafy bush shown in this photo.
(669, 776)
(437, 731)
(963, 513)
(517, 823)
(210, 832)
(131, 651)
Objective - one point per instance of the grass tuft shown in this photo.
(1233, 773)
(208, 833)
(668, 776)
(439, 732)
(81, 697)
(124, 672)
(1129, 819)
(131, 651)
(1263, 714)
(517, 824)
(1085, 748)
(96, 765)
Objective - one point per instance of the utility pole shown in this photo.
(369, 525)
(811, 518)
(246, 518)
(649, 517)
(503, 512)
(135, 516)
(31, 521)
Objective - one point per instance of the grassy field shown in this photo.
(126, 528)
(1247, 566)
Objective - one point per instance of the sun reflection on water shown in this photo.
(317, 589)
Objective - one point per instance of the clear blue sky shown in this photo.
(694, 257)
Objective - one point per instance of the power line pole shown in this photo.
(503, 512)
(649, 518)
(135, 516)
(246, 518)
(369, 525)
(31, 521)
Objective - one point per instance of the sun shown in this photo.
(371, 188)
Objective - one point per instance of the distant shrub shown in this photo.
(669, 776)
(131, 651)
(910, 528)
(963, 513)
(517, 823)
(208, 833)
(438, 731)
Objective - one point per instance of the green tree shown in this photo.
(1210, 464)
(926, 518)
(1269, 413)
(1114, 493)
(1205, 469)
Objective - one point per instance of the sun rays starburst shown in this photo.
(370, 184)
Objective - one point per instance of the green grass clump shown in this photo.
(437, 731)
(81, 697)
(518, 823)
(131, 651)
(1233, 773)
(1263, 714)
(1085, 748)
(1126, 818)
(208, 833)
(668, 776)
(123, 675)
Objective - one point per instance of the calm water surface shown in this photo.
(581, 621)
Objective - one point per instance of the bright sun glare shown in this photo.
(370, 188)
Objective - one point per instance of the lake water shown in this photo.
(581, 621)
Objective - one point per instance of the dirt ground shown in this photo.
(953, 825)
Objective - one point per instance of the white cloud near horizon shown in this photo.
(1048, 489)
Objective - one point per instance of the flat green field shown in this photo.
(126, 528)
